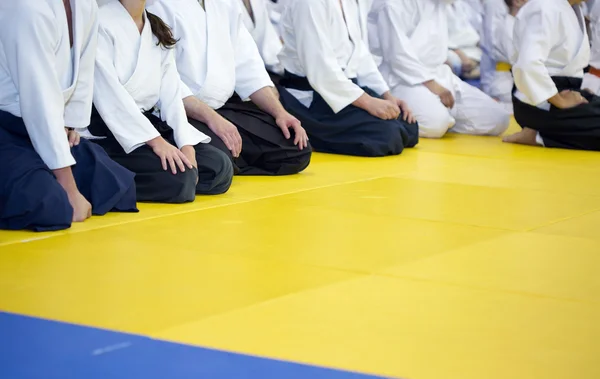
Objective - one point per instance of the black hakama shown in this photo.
(352, 131)
(265, 151)
(214, 173)
(576, 128)
(30, 196)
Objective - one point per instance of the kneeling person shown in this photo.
(552, 50)
(48, 176)
(331, 82)
(140, 111)
(411, 37)
(217, 57)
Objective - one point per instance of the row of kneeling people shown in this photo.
(160, 100)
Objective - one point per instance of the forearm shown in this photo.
(64, 176)
(197, 110)
(266, 100)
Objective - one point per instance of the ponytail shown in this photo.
(161, 31)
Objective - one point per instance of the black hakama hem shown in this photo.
(575, 128)
(30, 196)
(265, 151)
(212, 177)
(352, 131)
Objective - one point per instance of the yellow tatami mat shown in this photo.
(464, 258)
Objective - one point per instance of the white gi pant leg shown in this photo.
(477, 113)
(433, 117)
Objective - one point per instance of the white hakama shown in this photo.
(45, 86)
(328, 67)
(411, 38)
(552, 50)
(135, 77)
(217, 57)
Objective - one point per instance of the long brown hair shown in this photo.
(162, 31)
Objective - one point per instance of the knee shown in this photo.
(389, 140)
(216, 178)
(179, 188)
(296, 162)
(223, 173)
(37, 206)
(502, 121)
(435, 125)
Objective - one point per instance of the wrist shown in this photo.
(429, 84)
(388, 96)
(363, 101)
(64, 177)
(556, 100)
(154, 142)
(279, 112)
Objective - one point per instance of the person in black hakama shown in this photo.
(50, 178)
(135, 70)
(552, 50)
(333, 86)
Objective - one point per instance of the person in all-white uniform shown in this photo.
(591, 80)
(331, 82)
(49, 177)
(411, 38)
(275, 8)
(496, 76)
(255, 16)
(551, 51)
(141, 113)
(217, 57)
(464, 53)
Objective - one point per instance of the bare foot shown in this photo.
(524, 137)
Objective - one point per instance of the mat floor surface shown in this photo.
(464, 258)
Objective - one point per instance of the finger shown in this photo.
(163, 161)
(297, 137)
(285, 130)
(179, 162)
(71, 138)
(227, 142)
(239, 142)
(231, 144)
(184, 160)
(89, 212)
(172, 165)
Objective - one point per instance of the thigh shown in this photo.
(477, 113)
(433, 117)
(153, 183)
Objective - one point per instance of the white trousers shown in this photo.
(474, 112)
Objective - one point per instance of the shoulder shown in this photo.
(27, 10)
(543, 10)
(33, 17)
